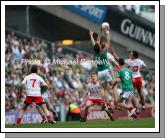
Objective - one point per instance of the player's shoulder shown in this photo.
(124, 69)
(128, 60)
(89, 84)
(140, 60)
(35, 75)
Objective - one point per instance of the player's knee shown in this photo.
(42, 104)
(89, 103)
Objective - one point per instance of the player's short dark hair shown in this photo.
(102, 45)
(96, 48)
(121, 61)
(34, 68)
(135, 54)
(93, 73)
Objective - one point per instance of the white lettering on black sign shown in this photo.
(138, 33)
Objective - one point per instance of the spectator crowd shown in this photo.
(66, 82)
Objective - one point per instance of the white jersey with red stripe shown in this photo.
(33, 83)
(93, 90)
(135, 65)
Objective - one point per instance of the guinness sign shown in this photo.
(132, 26)
(134, 31)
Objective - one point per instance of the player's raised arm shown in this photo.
(91, 37)
(99, 36)
(107, 32)
(112, 51)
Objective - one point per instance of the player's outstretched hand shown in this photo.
(107, 28)
(91, 33)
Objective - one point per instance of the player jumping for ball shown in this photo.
(102, 55)
(92, 96)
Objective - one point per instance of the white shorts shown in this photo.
(126, 94)
(47, 100)
(105, 76)
(45, 95)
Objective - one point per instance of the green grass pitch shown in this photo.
(141, 123)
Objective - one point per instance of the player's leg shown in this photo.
(40, 101)
(21, 113)
(50, 108)
(89, 103)
(109, 114)
(100, 103)
(44, 119)
(140, 89)
(102, 87)
(124, 96)
(135, 104)
(121, 103)
(46, 111)
(108, 78)
(115, 94)
(138, 85)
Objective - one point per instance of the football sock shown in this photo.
(49, 117)
(44, 117)
(19, 121)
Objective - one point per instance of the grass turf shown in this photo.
(141, 123)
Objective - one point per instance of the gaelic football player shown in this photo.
(92, 96)
(32, 84)
(124, 75)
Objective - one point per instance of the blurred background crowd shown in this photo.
(66, 83)
(50, 32)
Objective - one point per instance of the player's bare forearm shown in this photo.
(116, 64)
(116, 57)
(107, 32)
(92, 41)
(99, 36)
(91, 37)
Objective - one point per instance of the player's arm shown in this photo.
(46, 80)
(112, 51)
(107, 33)
(91, 37)
(142, 65)
(43, 82)
(99, 36)
(111, 59)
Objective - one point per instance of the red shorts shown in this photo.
(137, 82)
(98, 101)
(37, 100)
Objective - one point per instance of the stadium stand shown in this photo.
(66, 83)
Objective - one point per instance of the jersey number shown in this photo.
(127, 77)
(135, 69)
(33, 82)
